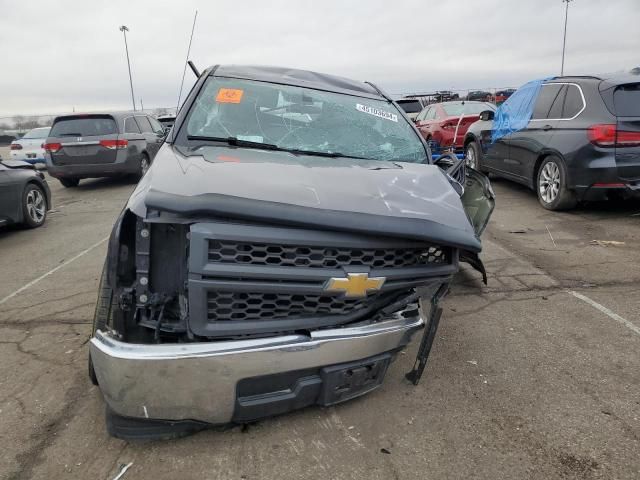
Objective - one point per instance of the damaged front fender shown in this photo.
(478, 201)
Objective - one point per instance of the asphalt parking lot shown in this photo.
(536, 375)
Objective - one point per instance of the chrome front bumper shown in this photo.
(197, 381)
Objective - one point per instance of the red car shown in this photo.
(438, 122)
(502, 95)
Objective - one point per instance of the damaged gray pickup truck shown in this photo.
(292, 235)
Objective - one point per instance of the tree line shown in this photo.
(23, 123)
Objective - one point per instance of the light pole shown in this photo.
(564, 41)
(124, 31)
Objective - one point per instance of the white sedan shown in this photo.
(29, 148)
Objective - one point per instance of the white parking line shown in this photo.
(33, 282)
(606, 311)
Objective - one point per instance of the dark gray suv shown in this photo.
(580, 141)
(101, 145)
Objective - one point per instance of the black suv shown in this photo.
(582, 141)
(101, 145)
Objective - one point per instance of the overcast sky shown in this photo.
(59, 55)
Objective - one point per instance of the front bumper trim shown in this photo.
(197, 381)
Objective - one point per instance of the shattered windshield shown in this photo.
(302, 120)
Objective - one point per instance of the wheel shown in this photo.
(101, 315)
(69, 182)
(145, 163)
(432, 145)
(472, 156)
(551, 185)
(34, 206)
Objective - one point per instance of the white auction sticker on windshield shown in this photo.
(377, 112)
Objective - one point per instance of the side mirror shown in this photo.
(487, 115)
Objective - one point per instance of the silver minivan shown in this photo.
(101, 145)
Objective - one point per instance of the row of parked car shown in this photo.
(499, 97)
(580, 142)
(413, 104)
(75, 147)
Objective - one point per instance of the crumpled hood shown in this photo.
(395, 199)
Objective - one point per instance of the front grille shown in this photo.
(255, 279)
(223, 251)
(242, 306)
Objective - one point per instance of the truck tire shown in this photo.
(69, 182)
(101, 315)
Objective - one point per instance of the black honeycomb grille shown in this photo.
(223, 251)
(233, 306)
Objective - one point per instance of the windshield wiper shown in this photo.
(297, 151)
(237, 142)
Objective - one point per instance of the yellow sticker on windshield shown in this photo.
(229, 95)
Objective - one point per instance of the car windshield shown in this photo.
(37, 133)
(84, 126)
(466, 108)
(301, 119)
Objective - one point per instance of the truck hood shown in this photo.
(411, 201)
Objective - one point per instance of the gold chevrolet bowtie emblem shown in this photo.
(355, 285)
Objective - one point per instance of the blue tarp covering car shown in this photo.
(514, 114)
